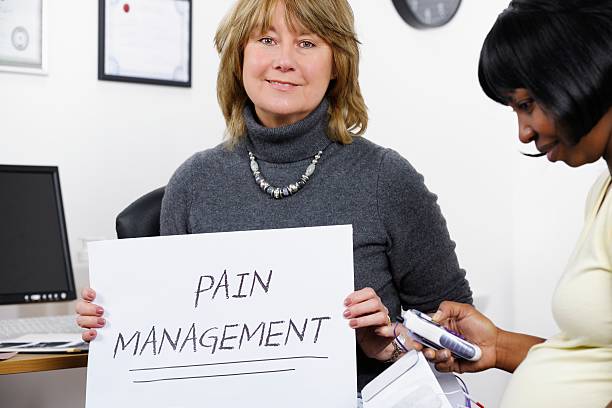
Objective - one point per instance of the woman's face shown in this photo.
(536, 126)
(285, 73)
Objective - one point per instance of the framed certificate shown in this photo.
(23, 38)
(145, 41)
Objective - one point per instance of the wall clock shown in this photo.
(427, 13)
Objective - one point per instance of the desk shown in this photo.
(28, 363)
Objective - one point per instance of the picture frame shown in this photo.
(145, 41)
(23, 36)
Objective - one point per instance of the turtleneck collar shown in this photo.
(286, 144)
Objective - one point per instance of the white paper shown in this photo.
(21, 33)
(408, 383)
(304, 276)
(149, 39)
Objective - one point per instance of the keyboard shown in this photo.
(10, 328)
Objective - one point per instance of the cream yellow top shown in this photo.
(574, 368)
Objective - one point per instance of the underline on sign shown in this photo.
(212, 376)
(230, 362)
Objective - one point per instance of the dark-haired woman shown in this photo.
(551, 61)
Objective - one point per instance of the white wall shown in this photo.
(514, 219)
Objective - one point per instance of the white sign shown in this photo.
(237, 319)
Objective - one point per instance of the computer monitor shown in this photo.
(35, 261)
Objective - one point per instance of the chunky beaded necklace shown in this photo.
(282, 192)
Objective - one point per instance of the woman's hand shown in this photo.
(370, 319)
(89, 315)
(475, 327)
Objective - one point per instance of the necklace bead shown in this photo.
(282, 192)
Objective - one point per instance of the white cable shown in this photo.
(453, 392)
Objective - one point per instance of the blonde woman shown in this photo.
(294, 157)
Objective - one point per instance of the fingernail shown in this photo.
(99, 311)
(347, 302)
(353, 323)
(91, 293)
(437, 315)
(429, 354)
(101, 321)
(346, 313)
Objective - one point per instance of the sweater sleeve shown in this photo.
(176, 204)
(421, 253)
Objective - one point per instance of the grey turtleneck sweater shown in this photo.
(401, 246)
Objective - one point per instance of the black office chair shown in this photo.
(141, 218)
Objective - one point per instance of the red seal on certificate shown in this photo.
(126, 8)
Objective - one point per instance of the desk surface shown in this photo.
(28, 363)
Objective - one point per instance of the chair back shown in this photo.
(141, 218)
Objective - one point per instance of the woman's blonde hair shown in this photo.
(332, 20)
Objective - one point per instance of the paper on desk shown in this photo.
(224, 320)
(45, 343)
(6, 356)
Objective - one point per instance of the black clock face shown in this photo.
(427, 13)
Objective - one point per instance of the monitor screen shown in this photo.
(34, 254)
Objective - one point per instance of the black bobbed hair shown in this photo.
(561, 52)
